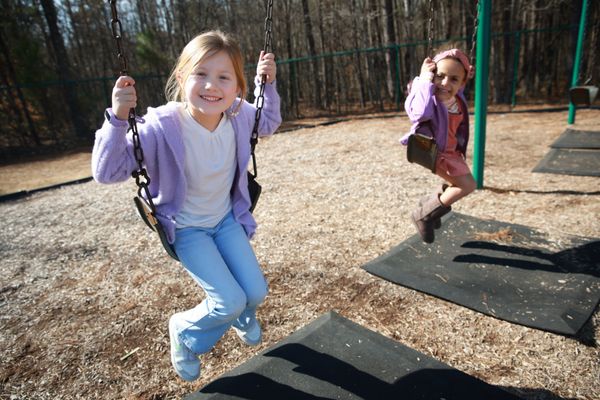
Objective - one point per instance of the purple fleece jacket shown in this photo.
(161, 139)
(421, 105)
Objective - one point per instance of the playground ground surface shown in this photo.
(86, 291)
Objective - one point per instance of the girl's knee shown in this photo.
(231, 306)
(257, 295)
(471, 185)
(467, 185)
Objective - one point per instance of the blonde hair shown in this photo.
(205, 45)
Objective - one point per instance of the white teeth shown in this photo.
(210, 98)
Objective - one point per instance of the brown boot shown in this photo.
(425, 215)
(437, 223)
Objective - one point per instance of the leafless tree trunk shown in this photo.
(348, 55)
(63, 69)
(390, 56)
(22, 111)
(308, 31)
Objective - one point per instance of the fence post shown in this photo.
(397, 83)
(515, 78)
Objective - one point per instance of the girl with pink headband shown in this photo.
(436, 104)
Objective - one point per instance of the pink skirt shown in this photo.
(452, 163)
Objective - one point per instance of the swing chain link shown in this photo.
(142, 180)
(474, 36)
(269, 26)
(117, 31)
(592, 58)
(260, 100)
(430, 30)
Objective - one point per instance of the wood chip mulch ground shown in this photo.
(86, 291)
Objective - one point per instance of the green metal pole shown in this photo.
(515, 68)
(481, 87)
(577, 61)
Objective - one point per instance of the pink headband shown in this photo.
(458, 55)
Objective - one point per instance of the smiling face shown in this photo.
(450, 76)
(211, 88)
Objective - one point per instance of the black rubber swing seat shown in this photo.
(153, 223)
(583, 95)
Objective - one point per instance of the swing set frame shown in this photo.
(582, 96)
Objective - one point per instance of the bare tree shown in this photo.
(21, 110)
(308, 31)
(335, 56)
(63, 68)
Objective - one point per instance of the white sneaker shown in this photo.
(252, 336)
(186, 363)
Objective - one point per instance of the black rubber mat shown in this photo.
(576, 139)
(585, 162)
(334, 358)
(24, 193)
(507, 271)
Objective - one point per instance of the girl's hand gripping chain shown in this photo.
(124, 97)
(267, 66)
(428, 69)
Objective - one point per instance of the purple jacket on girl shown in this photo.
(161, 139)
(421, 105)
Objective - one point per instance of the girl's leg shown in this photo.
(201, 327)
(239, 256)
(427, 217)
(437, 223)
(460, 186)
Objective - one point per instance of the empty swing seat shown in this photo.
(583, 95)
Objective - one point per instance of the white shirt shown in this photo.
(209, 169)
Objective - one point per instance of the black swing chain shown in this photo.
(592, 57)
(142, 180)
(430, 30)
(474, 36)
(261, 94)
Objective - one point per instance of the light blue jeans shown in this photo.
(222, 262)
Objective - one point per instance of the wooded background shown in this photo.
(335, 57)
